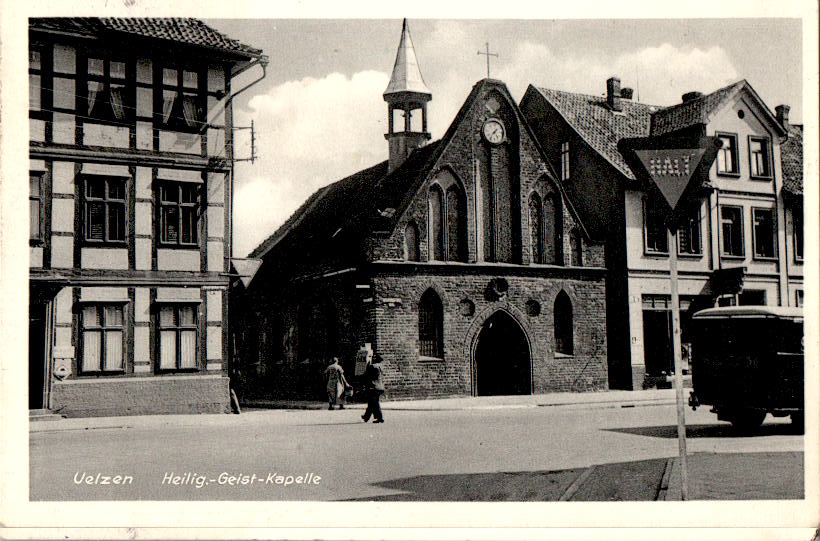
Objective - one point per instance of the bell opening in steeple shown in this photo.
(406, 96)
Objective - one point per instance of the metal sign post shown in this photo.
(676, 348)
(675, 170)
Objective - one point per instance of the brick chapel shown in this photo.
(460, 261)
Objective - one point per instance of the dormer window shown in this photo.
(181, 105)
(106, 93)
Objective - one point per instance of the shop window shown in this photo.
(731, 231)
(727, 162)
(102, 338)
(431, 325)
(689, 234)
(178, 337)
(108, 94)
(763, 233)
(562, 324)
(759, 157)
(179, 213)
(105, 204)
(35, 206)
(181, 105)
(656, 240)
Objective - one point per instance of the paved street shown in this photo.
(510, 452)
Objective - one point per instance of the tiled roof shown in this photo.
(181, 30)
(346, 211)
(791, 157)
(600, 126)
(696, 111)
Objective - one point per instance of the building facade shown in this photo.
(741, 244)
(461, 262)
(130, 200)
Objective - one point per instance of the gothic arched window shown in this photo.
(577, 247)
(536, 229)
(435, 224)
(562, 324)
(456, 225)
(431, 325)
(411, 242)
(553, 230)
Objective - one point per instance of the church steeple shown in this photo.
(406, 95)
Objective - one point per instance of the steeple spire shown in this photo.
(406, 75)
(406, 96)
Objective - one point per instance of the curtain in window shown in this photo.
(115, 95)
(113, 350)
(187, 349)
(95, 90)
(190, 112)
(168, 99)
(168, 350)
(91, 351)
(96, 220)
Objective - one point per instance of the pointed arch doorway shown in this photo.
(502, 358)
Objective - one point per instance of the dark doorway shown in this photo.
(657, 335)
(36, 355)
(502, 358)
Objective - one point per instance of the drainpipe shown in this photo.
(263, 62)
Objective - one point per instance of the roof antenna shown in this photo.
(637, 84)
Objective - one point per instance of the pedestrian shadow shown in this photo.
(626, 481)
(721, 430)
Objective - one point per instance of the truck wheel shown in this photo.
(748, 420)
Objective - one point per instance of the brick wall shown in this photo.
(466, 308)
(141, 396)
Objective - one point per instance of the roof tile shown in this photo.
(599, 125)
(182, 30)
(791, 156)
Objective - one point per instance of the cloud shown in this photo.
(661, 73)
(309, 133)
(314, 131)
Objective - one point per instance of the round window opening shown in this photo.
(533, 308)
(741, 114)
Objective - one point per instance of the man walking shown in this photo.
(374, 389)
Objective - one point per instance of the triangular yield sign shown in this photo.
(671, 170)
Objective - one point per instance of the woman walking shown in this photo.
(374, 389)
(336, 385)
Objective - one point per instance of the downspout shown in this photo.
(263, 62)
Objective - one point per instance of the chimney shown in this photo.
(691, 96)
(613, 93)
(782, 112)
(626, 93)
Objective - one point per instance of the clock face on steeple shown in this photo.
(493, 131)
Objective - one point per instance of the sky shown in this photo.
(319, 114)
